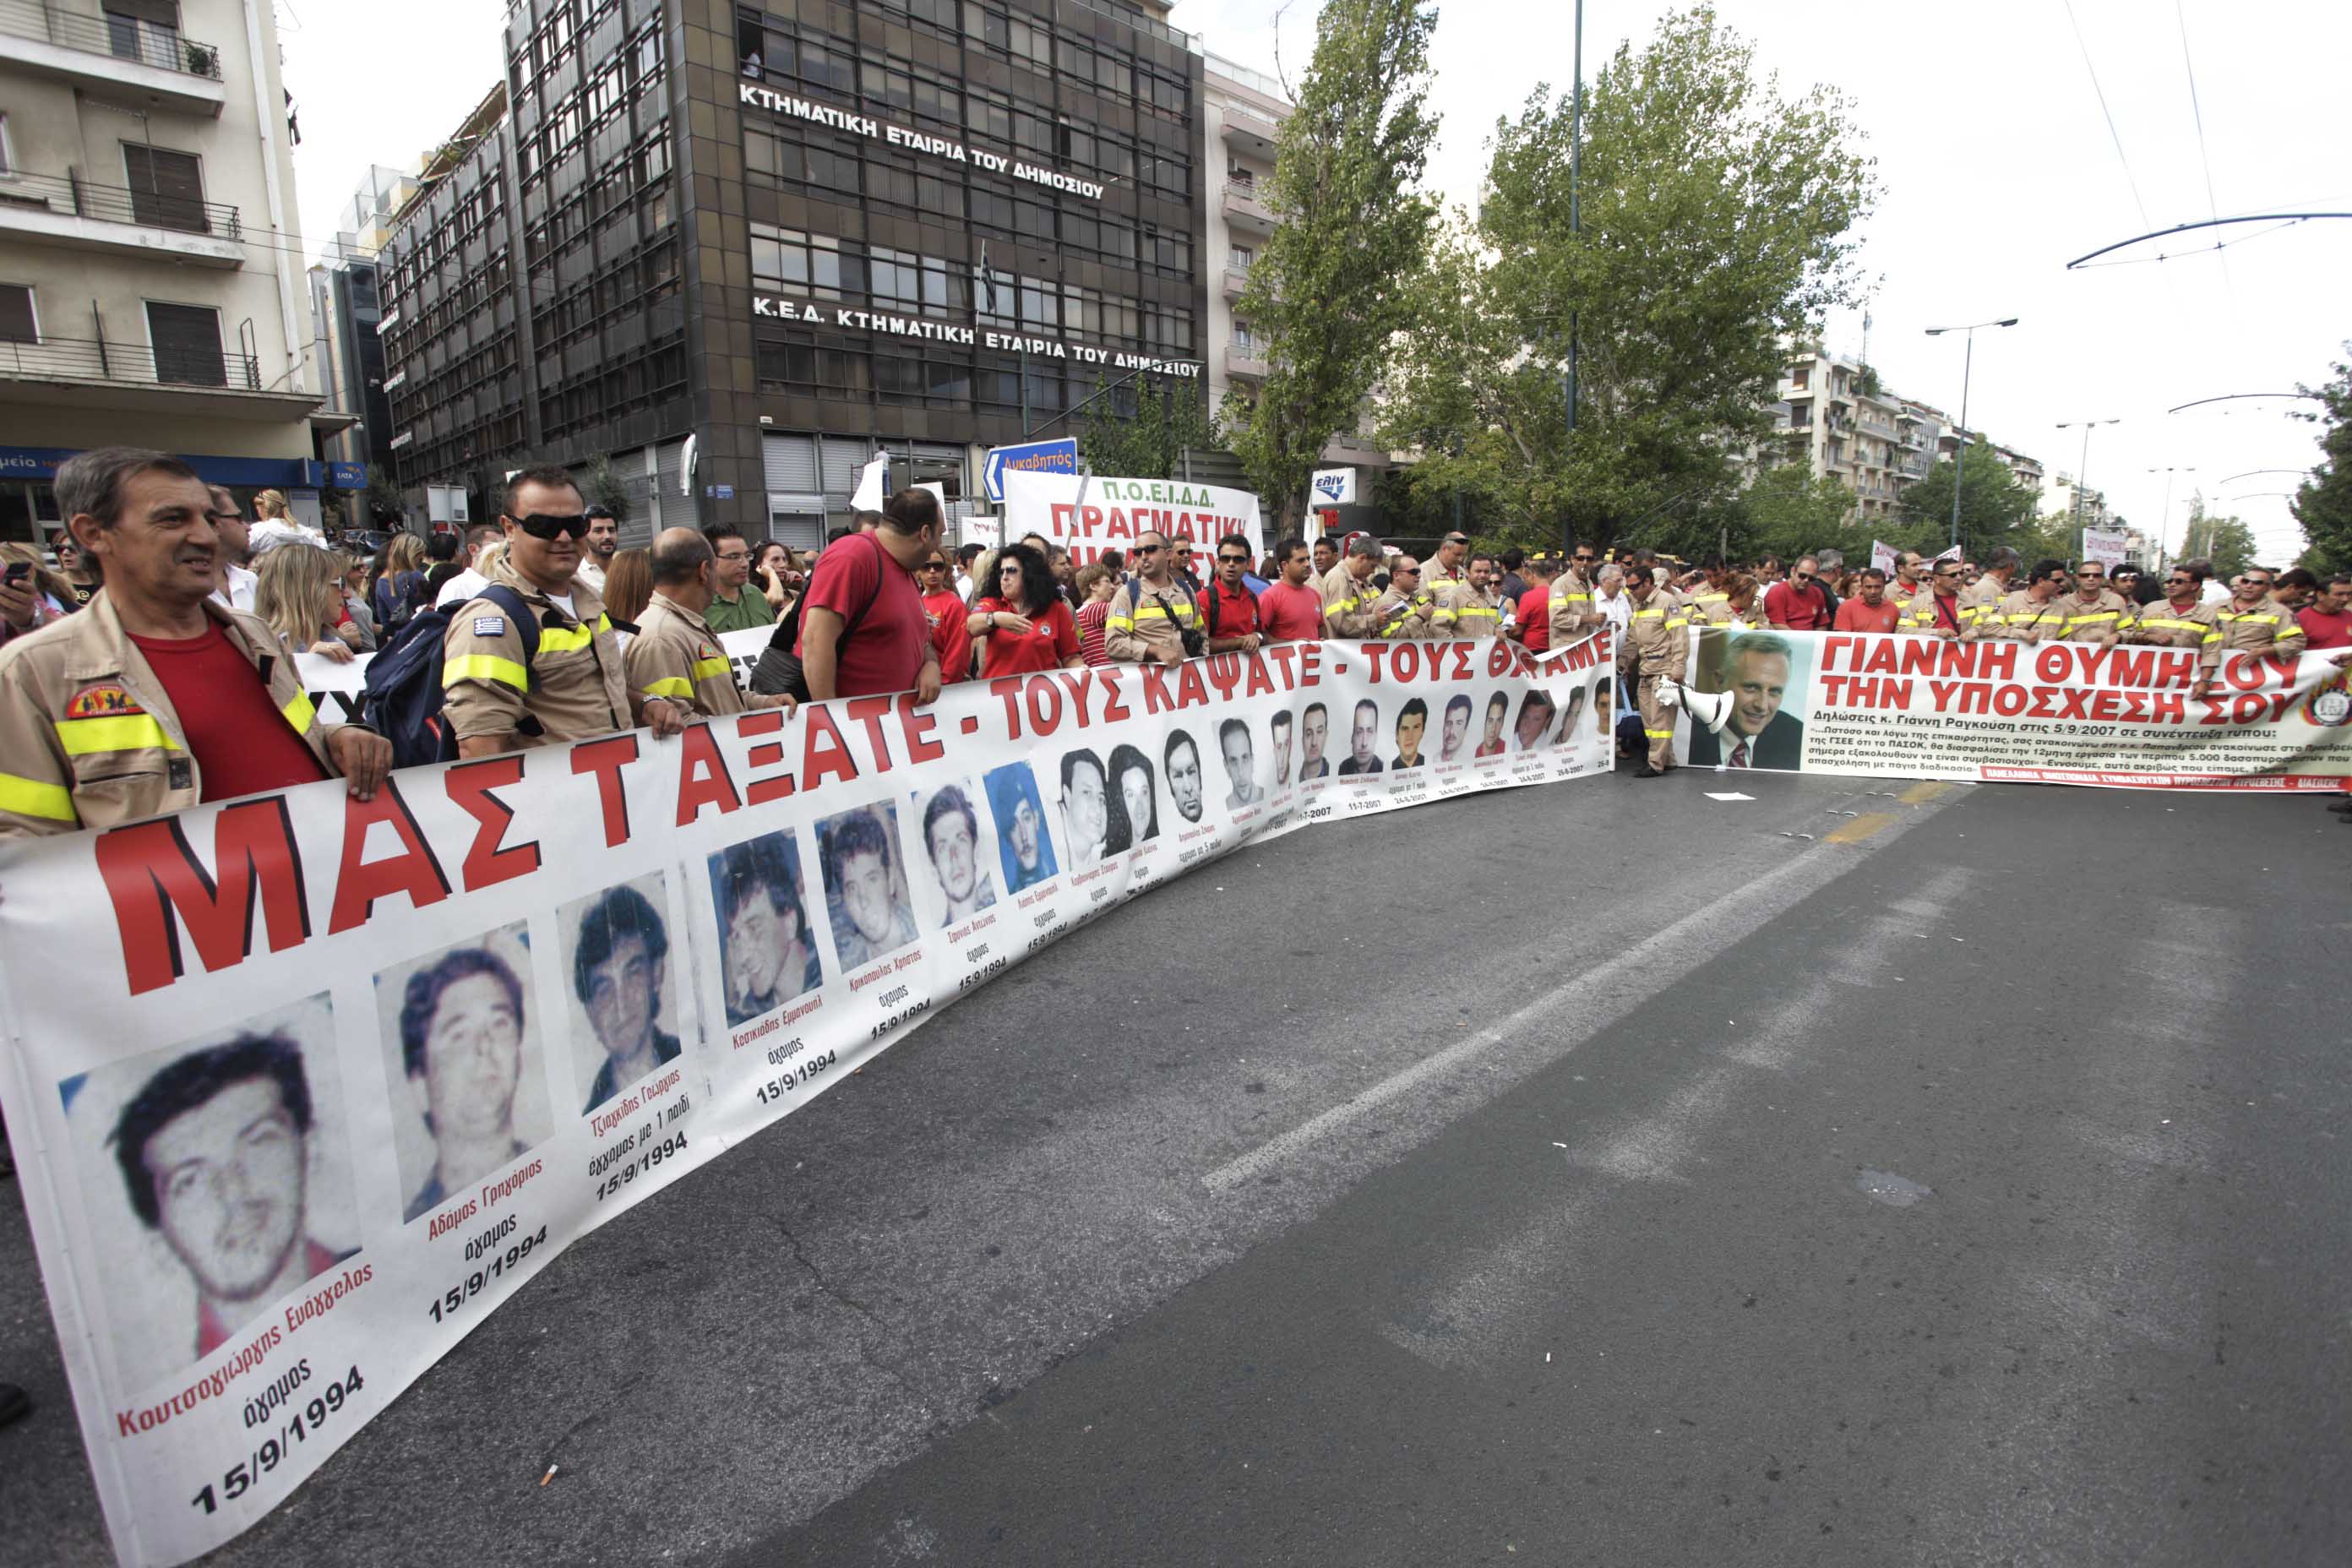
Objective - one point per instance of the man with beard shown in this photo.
(1362, 738)
(1314, 735)
(1757, 733)
(1455, 733)
(461, 1023)
(1413, 723)
(868, 920)
(1182, 760)
(603, 543)
(617, 971)
(951, 839)
(215, 1154)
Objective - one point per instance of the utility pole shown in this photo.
(2082, 477)
(1960, 453)
(1575, 227)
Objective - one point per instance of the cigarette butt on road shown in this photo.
(551, 1474)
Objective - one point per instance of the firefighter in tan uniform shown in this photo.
(1151, 610)
(1655, 650)
(1412, 616)
(575, 686)
(1471, 608)
(1352, 608)
(89, 733)
(2180, 619)
(1570, 610)
(2035, 612)
(2095, 613)
(675, 654)
(2252, 622)
(1983, 597)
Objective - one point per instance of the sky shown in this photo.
(1997, 163)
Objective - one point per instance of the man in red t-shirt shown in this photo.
(1870, 610)
(868, 579)
(1533, 629)
(1798, 605)
(2326, 621)
(156, 697)
(946, 613)
(1229, 611)
(1290, 610)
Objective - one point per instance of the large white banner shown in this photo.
(2108, 549)
(302, 1089)
(1109, 513)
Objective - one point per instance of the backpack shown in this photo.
(779, 669)
(396, 599)
(400, 696)
(1209, 597)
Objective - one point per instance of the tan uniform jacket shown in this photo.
(2017, 618)
(2093, 623)
(1902, 592)
(1570, 609)
(1405, 623)
(1657, 641)
(1920, 615)
(2269, 628)
(1144, 621)
(2166, 625)
(1350, 609)
(1714, 610)
(1464, 612)
(676, 655)
(87, 736)
(1979, 598)
(573, 687)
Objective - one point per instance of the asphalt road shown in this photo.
(1588, 1174)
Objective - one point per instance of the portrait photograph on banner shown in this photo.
(627, 987)
(767, 949)
(464, 1048)
(868, 902)
(959, 880)
(217, 1181)
(1024, 844)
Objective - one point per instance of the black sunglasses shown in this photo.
(539, 525)
(1233, 560)
(1149, 549)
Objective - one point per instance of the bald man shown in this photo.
(675, 653)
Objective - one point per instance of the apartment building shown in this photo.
(1834, 417)
(346, 308)
(152, 280)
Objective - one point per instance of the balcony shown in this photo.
(1244, 214)
(1236, 279)
(77, 372)
(1244, 362)
(1246, 132)
(114, 59)
(40, 209)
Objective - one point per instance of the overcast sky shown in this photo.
(1997, 164)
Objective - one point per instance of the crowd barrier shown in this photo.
(302, 1089)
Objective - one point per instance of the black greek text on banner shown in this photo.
(303, 1089)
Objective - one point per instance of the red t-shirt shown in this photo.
(946, 615)
(1290, 614)
(1535, 619)
(1051, 641)
(1785, 605)
(1853, 616)
(885, 654)
(240, 742)
(2320, 629)
(1236, 614)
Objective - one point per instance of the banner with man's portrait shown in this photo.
(303, 1088)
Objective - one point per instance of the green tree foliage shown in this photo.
(1996, 509)
(600, 486)
(1169, 415)
(2226, 542)
(1329, 288)
(384, 503)
(1717, 225)
(2323, 502)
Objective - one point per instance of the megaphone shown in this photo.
(1708, 709)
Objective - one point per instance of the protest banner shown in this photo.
(1089, 516)
(1918, 707)
(1884, 555)
(2106, 548)
(302, 1089)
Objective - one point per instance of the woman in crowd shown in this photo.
(778, 573)
(628, 587)
(1026, 625)
(52, 596)
(77, 572)
(397, 590)
(1098, 586)
(301, 597)
(351, 580)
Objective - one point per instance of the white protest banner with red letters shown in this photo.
(302, 1088)
(1089, 515)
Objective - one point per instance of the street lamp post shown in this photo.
(2082, 476)
(2164, 518)
(1967, 365)
(1575, 226)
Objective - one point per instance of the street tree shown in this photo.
(1168, 417)
(2323, 501)
(2226, 542)
(1329, 288)
(1717, 225)
(1996, 508)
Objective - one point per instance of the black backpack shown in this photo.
(400, 696)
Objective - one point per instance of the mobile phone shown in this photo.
(19, 570)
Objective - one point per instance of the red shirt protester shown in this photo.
(1288, 613)
(1535, 619)
(1235, 613)
(1799, 608)
(1090, 619)
(2320, 629)
(885, 653)
(240, 742)
(946, 613)
(1051, 641)
(1853, 616)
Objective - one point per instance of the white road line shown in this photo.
(1583, 1005)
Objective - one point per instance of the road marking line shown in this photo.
(1920, 793)
(1868, 826)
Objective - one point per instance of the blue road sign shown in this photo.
(1038, 456)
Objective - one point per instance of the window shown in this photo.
(1243, 255)
(1243, 340)
(187, 344)
(145, 30)
(167, 188)
(7, 162)
(18, 325)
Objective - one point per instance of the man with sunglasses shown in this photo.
(2094, 613)
(1228, 609)
(1571, 608)
(1414, 616)
(1352, 608)
(1150, 615)
(2252, 622)
(1981, 599)
(2179, 619)
(1935, 610)
(2031, 613)
(499, 695)
(1801, 604)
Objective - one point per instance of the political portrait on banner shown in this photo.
(1085, 811)
(1761, 726)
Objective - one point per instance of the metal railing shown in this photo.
(91, 359)
(123, 38)
(119, 204)
(1256, 82)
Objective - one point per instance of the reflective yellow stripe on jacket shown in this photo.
(670, 686)
(487, 667)
(114, 732)
(562, 639)
(300, 713)
(713, 669)
(31, 797)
